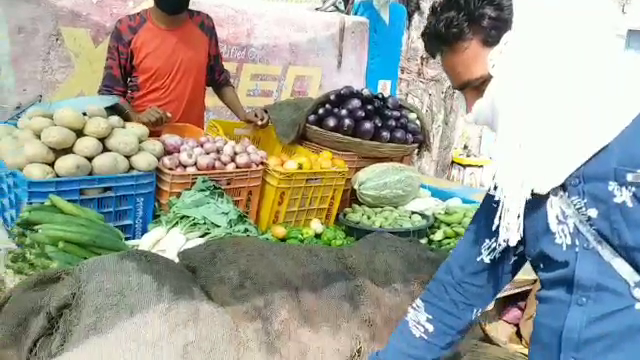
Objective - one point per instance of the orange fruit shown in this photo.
(274, 161)
(304, 162)
(325, 164)
(291, 165)
(313, 158)
(278, 232)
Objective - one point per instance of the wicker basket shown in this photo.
(361, 147)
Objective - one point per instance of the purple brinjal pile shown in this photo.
(367, 116)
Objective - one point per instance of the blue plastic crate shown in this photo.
(127, 203)
(13, 190)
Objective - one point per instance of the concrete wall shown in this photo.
(274, 50)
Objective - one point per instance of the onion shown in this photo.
(219, 138)
(254, 166)
(187, 158)
(225, 159)
(231, 166)
(214, 156)
(209, 147)
(185, 148)
(219, 165)
(243, 161)
(251, 149)
(233, 143)
(220, 145)
(169, 162)
(205, 163)
(191, 142)
(198, 151)
(172, 144)
(228, 150)
(263, 154)
(245, 142)
(239, 149)
(205, 139)
(255, 158)
(191, 169)
(180, 169)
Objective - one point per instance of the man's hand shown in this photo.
(258, 117)
(153, 117)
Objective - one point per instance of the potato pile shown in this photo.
(68, 143)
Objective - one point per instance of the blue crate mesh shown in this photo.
(12, 194)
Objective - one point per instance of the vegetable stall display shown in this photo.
(313, 234)
(60, 234)
(384, 217)
(68, 143)
(209, 153)
(367, 116)
(203, 213)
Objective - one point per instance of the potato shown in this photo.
(39, 123)
(24, 135)
(141, 131)
(8, 145)
(96, 111)
(115, 121)
(23, 122)
(92, 192)
(123, 142)
(6, 130)
(15, 159)
(72, 165)
(37, 171)
(36, 111)
(97, 127)
(154, 147)
(88, 147)
(144, 161)
(69, 119)
(58, 137)
(37, 152)
(110, 163)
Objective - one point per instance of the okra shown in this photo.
(75, 210)
(39, 218)
(81, 237)
(75, 250)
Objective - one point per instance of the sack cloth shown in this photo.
(234, 298)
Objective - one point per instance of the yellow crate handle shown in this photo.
(214, 129)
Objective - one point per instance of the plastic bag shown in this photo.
(387, 184)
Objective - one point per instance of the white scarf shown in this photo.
(561, 91)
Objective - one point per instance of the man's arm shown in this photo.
(117, 68)
(463, 287)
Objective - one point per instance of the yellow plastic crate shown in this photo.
(296, 197)
(265, 139)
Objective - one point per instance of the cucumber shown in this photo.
(61, 257)
(41, 239)
(75, 210)
(100, 251)
(81, 237)
(40, 217)
(75, 250)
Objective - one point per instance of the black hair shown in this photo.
(452, 21)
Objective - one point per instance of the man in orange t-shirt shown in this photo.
(160, 61)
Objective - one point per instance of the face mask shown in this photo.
(172, 7)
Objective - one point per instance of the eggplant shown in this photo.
(358, 114)
(405, 113)
(418, 139)
(346, 125)
(328, 107)
(402, 122)
(347, 91)
(395, 114)
(409, 139)
(381, 97)
(387, 114)
(413, 128)
(357, 94)
(367, 95)
(377, 103)
(313, 119)
(343, 113)
(377, 122)
(390, 124)
(335, 111)
(334, 99)
(352, 104)
(398, 136)
(365, 130)
(382, 135)
(330, 123)
(393, 103)
(369, 110)
(323, 113)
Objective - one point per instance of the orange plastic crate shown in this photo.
(296, 197)
(243, 185)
